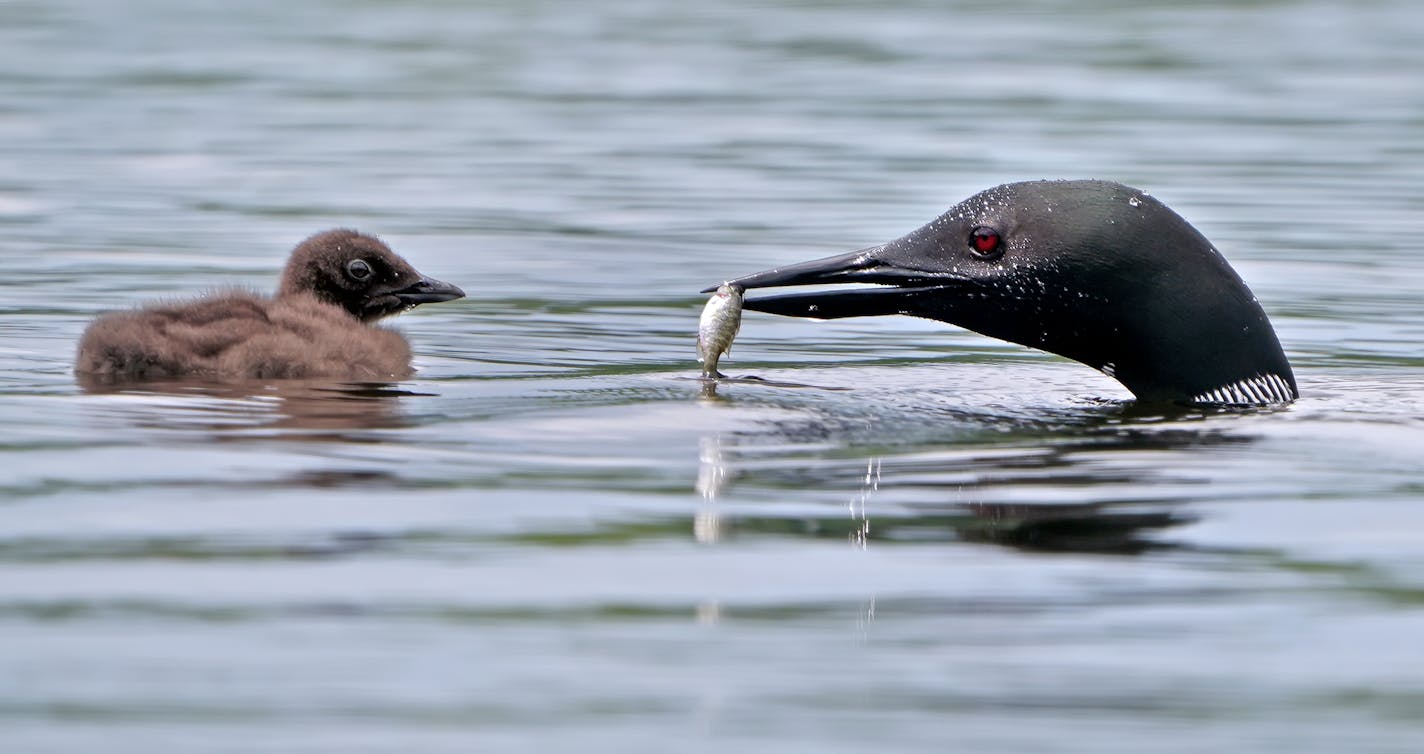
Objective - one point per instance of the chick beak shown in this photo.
(427, 291)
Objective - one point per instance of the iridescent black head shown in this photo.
(1091, 270)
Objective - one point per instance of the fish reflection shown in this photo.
(713, 472)
(713, 476)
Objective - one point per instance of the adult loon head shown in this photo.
(1092, 270)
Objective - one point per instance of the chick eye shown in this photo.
(358, 269)
(986, 243)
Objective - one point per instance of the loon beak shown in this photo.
(427, 291)
(906, 286)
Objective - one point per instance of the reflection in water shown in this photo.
(1094, 528)
(709, 612)
(1052, 491)
(860, 535)
(708, 390)
(713, 475)
(333, 411)
(865, 620)
(281, 410)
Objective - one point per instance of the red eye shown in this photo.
(986, 243)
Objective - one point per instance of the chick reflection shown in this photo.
(304, 410)
(337, 409)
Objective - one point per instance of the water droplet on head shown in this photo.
(1134, 202)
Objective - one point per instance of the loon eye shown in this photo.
(985, 243)
(358, 269)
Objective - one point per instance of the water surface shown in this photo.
(553, 538)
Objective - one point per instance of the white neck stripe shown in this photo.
(1261, 390)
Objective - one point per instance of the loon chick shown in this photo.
(317, 326)
(1092, 270)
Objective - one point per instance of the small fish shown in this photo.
(721, 319)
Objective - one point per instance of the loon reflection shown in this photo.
(1054, 493)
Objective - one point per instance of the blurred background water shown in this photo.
(551, 539)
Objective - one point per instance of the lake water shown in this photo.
(552, 539)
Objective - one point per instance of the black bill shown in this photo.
(427, 291)
(905, 286)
